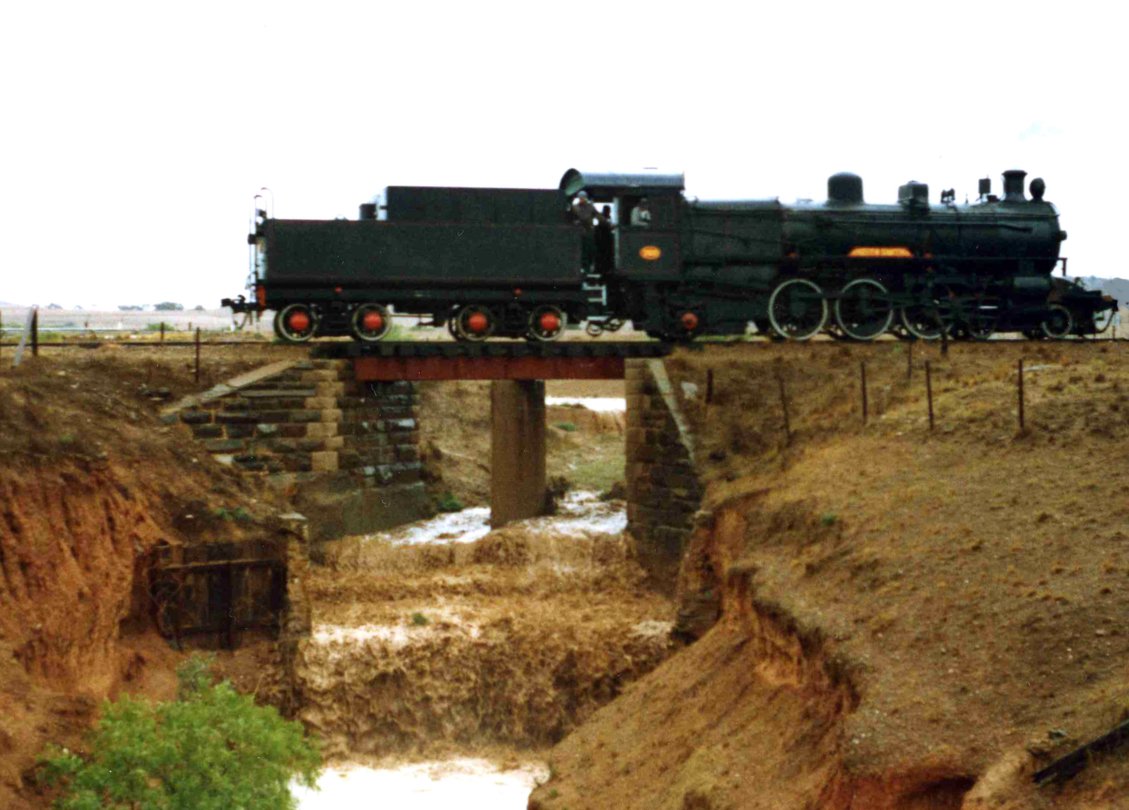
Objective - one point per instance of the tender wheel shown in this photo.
(295, 323)
(797, 309)
(1059, 322)
(547, 323)
(689, 324)
(371, 322)
(474, 322)
(863, 310)
(921, 321)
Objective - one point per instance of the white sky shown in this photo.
(134, 135)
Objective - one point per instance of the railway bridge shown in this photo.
(517, 371)
(340, 432)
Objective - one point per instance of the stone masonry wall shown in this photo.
(663, 489)
(313, 417)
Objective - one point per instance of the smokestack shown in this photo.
(1013, 186)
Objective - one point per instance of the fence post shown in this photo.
(784, 407)
(929, 391)
(162, 331)
(35, 332)
(1020, 393)
(31, 320)
(197, 354)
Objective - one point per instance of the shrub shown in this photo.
(449, 503)
(419, 620)
(567, 427)
(238, 514)
(210, 748)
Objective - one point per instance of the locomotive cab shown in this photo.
(645, 247)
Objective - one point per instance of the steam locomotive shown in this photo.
(521, 263)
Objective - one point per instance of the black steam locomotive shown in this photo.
(606, 249)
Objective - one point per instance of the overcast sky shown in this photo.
(134, 135)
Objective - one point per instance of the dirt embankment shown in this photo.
(513, 639)
(90, 481)
(908, 619)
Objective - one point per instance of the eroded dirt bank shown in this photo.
(89, 482)
(511, 639)
(907, 619)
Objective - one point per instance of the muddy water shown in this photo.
(468, 784)
(599, 404)
(452, 648)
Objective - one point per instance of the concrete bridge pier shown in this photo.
(517, 450)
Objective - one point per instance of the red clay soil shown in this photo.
(909, 619)
(89, 482)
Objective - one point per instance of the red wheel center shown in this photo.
(372, 321)
(298, 322)
(689, 321)
(477, 323)
(549, 322)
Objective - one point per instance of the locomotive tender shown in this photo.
(520, 263)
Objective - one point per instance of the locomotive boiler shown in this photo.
(605, 249)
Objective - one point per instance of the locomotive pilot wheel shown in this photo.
(1059, 322)
(797, 309)
(295, 323)
(863, 310)
(370, 323)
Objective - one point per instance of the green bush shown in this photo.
(211, 748)
(449, 503)
(238, 514)
(567, 427)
